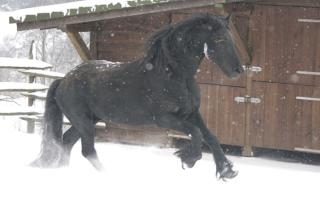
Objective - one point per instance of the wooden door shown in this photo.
(283, 45)
(287, 118)
(224, 117)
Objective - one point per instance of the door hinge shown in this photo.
(254, 69)
(247, 99)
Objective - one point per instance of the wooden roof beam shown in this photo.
(79, 45)
(125, 12)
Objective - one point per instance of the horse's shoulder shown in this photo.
(98, 65)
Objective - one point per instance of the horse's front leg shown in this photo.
(224, 166)
(191, 153)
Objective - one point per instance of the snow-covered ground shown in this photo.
(147, 179)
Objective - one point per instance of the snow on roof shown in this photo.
(7, 62)
(75, 8)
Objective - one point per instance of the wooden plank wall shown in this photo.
(282, 46)
(123, 40)
(277, 42)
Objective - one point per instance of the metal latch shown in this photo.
(247, 99)
(255, 69)
(305, 98)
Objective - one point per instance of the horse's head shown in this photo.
(185, 44)
(213, 40)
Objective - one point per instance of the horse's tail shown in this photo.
(51, 151)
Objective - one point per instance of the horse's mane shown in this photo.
(157, 46)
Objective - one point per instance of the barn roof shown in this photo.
(58, 16)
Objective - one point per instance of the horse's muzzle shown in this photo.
(239, 70)
(236, 73)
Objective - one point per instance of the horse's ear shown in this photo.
(228, 19)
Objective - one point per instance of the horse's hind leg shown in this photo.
(88, 150)
(86, 128)
(70, 137)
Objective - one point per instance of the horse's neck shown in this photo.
(188, 67)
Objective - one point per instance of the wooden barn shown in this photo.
(276, 104)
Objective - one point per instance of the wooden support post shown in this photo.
(79, 45)
(247, 148)
(93, 44)
(30, 123)
(31, 79)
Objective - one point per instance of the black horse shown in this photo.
(157, 89)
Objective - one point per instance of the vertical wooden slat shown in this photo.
(254, 35)
(205, 98)
(315, 127)
(247, 148)
(93, 45)
(316, 93)
(31, 123)
(317, 57)
(31, 79)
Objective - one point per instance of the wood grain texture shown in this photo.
(224, 117)
(283, 122)
(317, 59)
(79, 45)
(278, 43)
(304, 3)
(282, 46)
(123, 40)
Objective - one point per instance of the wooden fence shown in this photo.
(29, 89)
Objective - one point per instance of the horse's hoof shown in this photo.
(226, 172)
(35, 164)
(38, 163)
(189, 155)
(95, 162)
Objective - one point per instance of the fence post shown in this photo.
(31, 79)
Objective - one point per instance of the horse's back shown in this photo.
(110, 91)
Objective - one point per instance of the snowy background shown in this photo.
(136, 178)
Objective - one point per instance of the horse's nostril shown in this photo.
(239, 70)
(236, 70)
